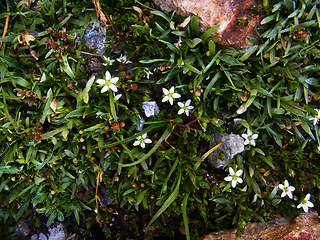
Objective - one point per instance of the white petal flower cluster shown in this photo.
(170, 95)
(123, 59)
(287, 189)
(108, 83)
(305, 203)
(249, 138)
(185, 107)
(234, 177)
(108, 61)
(142, 140)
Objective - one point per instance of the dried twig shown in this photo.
(104, 19)
(6, 24)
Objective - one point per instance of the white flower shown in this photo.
(108, 83)
(148, 73)
(249, 138)
(316, 118)
(287, 190)
(185, 107)
(142, 140)
(108, 61)
(123, 59)
(234, 177)
(305, 203)
(170, 95)
(178, 44)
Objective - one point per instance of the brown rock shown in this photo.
(236, 18)
(304, 227)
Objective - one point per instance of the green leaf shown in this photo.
(20, 193)
(209, 32)
(141, 196)
(155, 147)
(170, 46)
(153, 60)
(85, 93)
(191, 68)
(268, 19)
(161, 14)
(63, 21)
(231, 60)
(75, 113)
(194, 25)
(148, 129)
(184, 215)
(248, 53)
(211, 83)
(47, 106)
(293, 108)
(50, 134)
(112, 106)
(166, 204)
(213, 60)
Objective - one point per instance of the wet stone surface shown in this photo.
(232, 144)
(237, 18)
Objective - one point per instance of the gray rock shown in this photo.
(150, 108)
(232, 144)
(22, 227)
(57, 233)
(95, 39)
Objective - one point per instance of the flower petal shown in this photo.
(113, 88)
(166, 98)
(180, 104)
(188, 102)
(255, 136)
(286, 183)
(239, 173)
(104, 89)
(228, 178)
(231, 171)
(234, 183)
(147, 140)
(181, 111)
(176, 95)
(101, 81)
(108, 75)
(171, 90)
(165, 91)
(171, 100)
(136, 143)
(307, 198)
(310, 204)
(143, 145)
(239, 180)
(114, 79)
